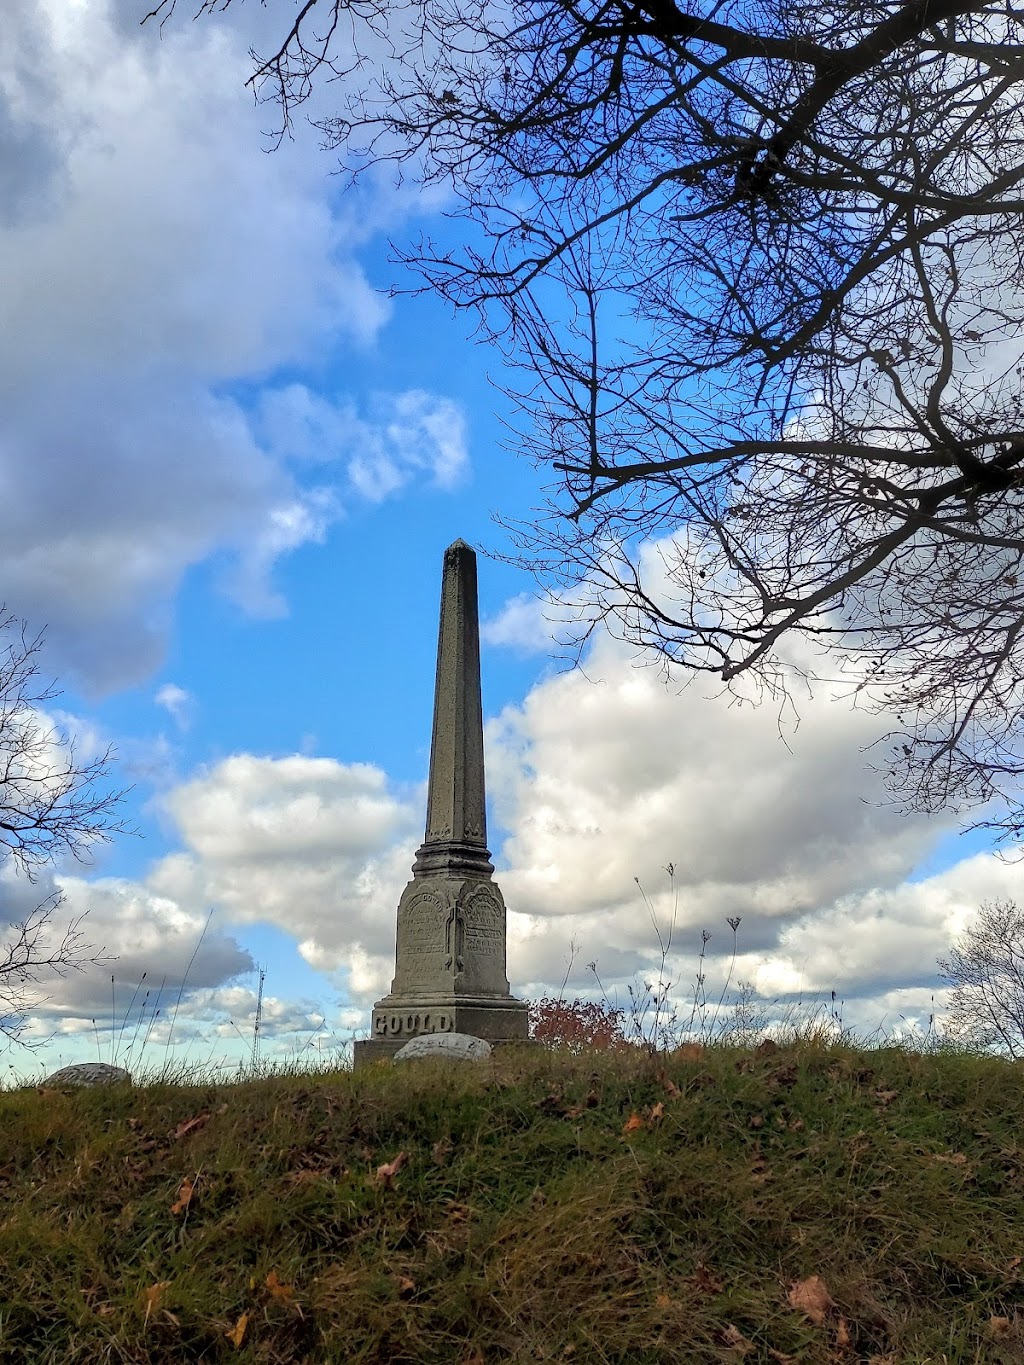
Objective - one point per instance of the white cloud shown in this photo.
(527, 623)
(143, 934)
(414, 432)
(151, 255)
(178, 702)
(402, 435)
(600, 777)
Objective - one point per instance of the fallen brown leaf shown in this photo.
(387, 1172)
(786, 1076)
(441, 1151)
(811, 1297)
(760, 1171)
(405, 1285)
(281, 1292)
(842, 1335)
(301, 1177)
(657, 1111)
(153, 1295)
(237, 1332)
(998, 1328)
(633, 1123)
(190, 1125)
(736, 1341)
(184, 1196)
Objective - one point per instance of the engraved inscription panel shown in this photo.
(422, 917)
(482, 912)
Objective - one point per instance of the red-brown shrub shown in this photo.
(576, 1024)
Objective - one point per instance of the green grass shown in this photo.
(531, 1219)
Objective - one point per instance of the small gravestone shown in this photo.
(89, 1073)
(460, 1047)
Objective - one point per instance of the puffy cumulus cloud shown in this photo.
(887, 938)
(600, 777)
(143, 937)
(606, 775)
(151, 255)
(320, 848)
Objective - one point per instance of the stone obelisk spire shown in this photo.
(456, 835)
(450, 950)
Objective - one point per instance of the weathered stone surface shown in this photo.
(450, 973)
(455, 840)
(89, 1073)
(451, 938)
(459, 1047)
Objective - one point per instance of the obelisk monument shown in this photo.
(450, 949)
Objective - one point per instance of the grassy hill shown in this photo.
(805, 1203)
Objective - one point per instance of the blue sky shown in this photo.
(232, 466)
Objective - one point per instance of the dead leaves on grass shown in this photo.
(387, 1172)
(185, 1192)
(811, 1297)
(280, 1293)
(650, 1118)
(236, 1334)
(152, 1296)
(190, 1125)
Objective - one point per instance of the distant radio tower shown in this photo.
(259, 1019)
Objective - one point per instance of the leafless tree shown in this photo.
(987, 973)
(33, 954)
(53, 802)
(760, 262)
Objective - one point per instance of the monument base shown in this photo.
(396, 1021)
(366, 1051)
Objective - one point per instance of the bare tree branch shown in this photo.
(761, 268)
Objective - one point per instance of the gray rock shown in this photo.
(89, 1073)
(459, 1047)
